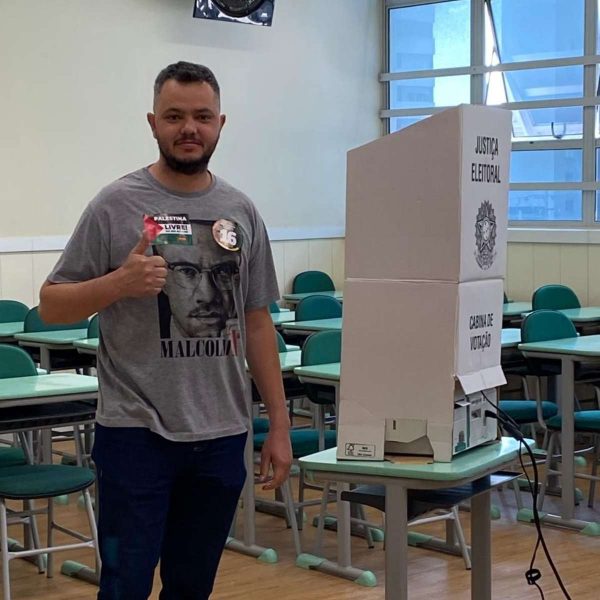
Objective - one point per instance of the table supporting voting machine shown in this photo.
(475, 467)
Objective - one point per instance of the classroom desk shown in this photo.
(568, 351)
(9, 330)
(397, 478)
(515, 309)
(46, 389)
(87, 345)
(293, 299)
(47, 341)
(283, 317)
(308, 327)
(511, 337)
(584, 315)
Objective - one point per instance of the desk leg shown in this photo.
(45, 358)
(247, 545)
(567, 438)
(396, 546)
(343, 528)
(343, 567)
(481, 556)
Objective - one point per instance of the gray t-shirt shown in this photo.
(175, 363)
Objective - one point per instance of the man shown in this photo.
(172, 413)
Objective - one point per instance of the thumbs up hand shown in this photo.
(142, 275)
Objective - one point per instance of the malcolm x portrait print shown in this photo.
(198, 300)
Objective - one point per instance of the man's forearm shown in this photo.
(72, 302)
(263, 360)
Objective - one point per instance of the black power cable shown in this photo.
(532, 575)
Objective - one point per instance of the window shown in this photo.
(538, 58)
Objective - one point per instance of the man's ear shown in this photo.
(151, 118)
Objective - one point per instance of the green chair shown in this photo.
(63, 359)
(321, 348)
(312, 281)
(274, 307)
(93, 329)
(318, 307)
(33, 323)
(554, 297)
(30, 482)
(12, 311)
(543, 325)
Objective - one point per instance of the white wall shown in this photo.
(77, 82)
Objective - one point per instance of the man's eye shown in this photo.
(172, 118)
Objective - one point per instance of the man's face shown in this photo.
(186, 124)
(200, 284)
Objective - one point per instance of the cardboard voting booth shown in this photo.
(426, 232)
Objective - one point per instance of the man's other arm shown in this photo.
(263, 360)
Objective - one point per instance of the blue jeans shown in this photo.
(159, 499)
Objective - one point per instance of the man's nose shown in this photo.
(188, 126)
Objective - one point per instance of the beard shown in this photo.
(193, 166)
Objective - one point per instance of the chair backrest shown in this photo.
(554, 297)
(543, 325)
(12, 311)
(318, 307)
(281, 345)
(274, 307)
(312, 281)
(34, 323)
(505, 298)
(321, 348)
(93, 330)
(15, 362)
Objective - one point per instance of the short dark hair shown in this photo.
(186, 72)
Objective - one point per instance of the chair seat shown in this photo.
(304, 441)
(43, 481)
(11, 457)
(525, 411)
(585, 421)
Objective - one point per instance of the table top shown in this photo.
(515, 309)
(585, 314)
(584, 345)
(61, 336)
(297, 297)
(53, 384)
(324, 371)
(10, 329)
(334, 324)
(290, 360)
(466, 464)
(511, 337)
(283, 317)
(87, 343)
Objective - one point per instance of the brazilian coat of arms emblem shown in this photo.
(485, 235)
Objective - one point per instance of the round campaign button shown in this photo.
(226, 234)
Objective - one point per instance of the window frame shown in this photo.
(477, 70)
